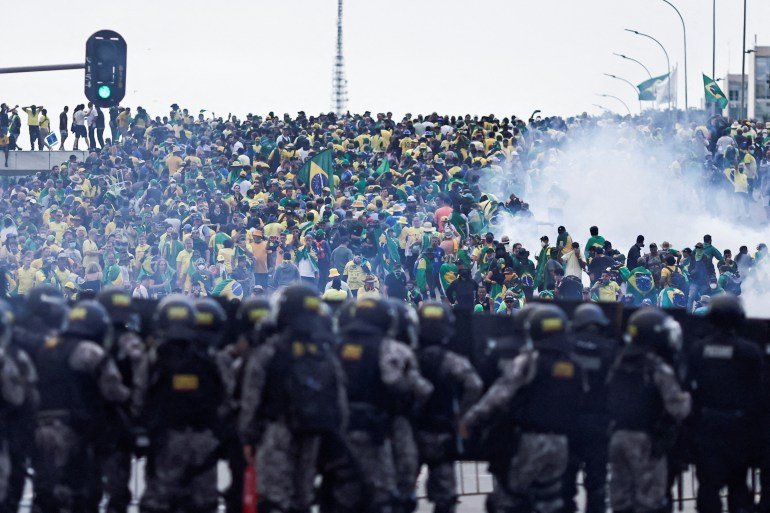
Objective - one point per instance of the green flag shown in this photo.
(648, 88)
(713, 93)
(383, 167)
(318, 172)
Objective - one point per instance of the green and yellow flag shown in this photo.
(318, 172)
(229, 289)
(713, 93)
(648, 90)
(383, 167)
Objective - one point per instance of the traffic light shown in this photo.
(105, 83)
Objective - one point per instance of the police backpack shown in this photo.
(311, 388)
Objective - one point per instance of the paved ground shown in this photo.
(473, 482)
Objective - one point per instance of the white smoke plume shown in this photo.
(628, 181)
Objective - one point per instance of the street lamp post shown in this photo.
(743, 66)
(684, 34)
(618, 99)
(668, 62)
(636, 91)
(626, 57)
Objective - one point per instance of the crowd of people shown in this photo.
(204, 205)
(339, 410)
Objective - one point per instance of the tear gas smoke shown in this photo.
(628, 181)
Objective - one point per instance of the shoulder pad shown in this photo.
(87, 356)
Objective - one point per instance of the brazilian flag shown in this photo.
(317, 172)
(648, 88)
(713, 93)
(384, 167)
(229, 289)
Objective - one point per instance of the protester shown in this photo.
(178, 202)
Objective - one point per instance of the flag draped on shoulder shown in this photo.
(648, 90)
(713, 93)
(229, 289)
(318, 172)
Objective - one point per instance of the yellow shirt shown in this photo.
(28, 278)
(174, 163)
(58, 229)
(608, 292)
(363, 293)
(44, 122)
(123, 120)
(335, 295)
(259, 250)
(141, 251)
(183, 261)
(32, 119)
(356, 275)
(89, 246)
(227, 254)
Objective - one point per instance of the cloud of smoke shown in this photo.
(629, 181)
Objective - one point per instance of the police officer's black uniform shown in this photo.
(589, 438)
(725, 380)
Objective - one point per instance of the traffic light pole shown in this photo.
(49, 67)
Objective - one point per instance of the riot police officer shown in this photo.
(725, 380)
(594, 351)
(129, 354)
(457, 386)
(406, 459)
(42, 318)
(377, 372)
(211, 321)
(184, 392)
(77, 383)
(12, 392)
(645, 401)
(293, 394)
(541, 387)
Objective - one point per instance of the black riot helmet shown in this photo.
(117, 302)
(89, 320)
(652, 329)
(344, 315)
(726, 312)
(587, 315)
(209, 314)
(174, 318)
(6, 323)
(437, 323)
(407, 328)
(546, 321)
(297, 307)
(371, 314)
(251, 312)
(46, 303)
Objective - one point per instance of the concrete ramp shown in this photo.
(30, 162)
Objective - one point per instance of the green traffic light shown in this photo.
(104, 92)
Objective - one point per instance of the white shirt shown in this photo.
(91, 117)
(141, 292)
(572, 266)
(722, 144)
(306, 268)
(79, 118)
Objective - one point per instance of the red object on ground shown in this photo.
(250, 494)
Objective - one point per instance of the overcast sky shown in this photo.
(450, 56)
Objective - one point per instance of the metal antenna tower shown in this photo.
(340, 83)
